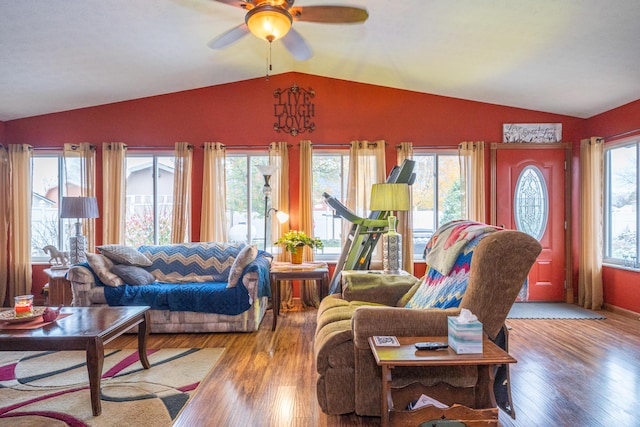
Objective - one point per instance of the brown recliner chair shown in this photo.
(349, 378)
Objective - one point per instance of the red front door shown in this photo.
(530, 196)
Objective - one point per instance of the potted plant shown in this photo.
(297, 239)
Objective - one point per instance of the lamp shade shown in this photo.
(79, 207)
(390, 197)
(268, 22)
(267, 170)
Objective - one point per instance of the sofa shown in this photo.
(485, 277)
(190, 287)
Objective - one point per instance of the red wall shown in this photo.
(620, 286)
(241, 113)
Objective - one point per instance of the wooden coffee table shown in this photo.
(87, 328)
(483, 411)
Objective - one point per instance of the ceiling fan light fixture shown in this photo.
(268, 22)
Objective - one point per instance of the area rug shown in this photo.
(52, 388)
(551, 310)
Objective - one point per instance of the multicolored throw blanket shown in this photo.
(449, 240)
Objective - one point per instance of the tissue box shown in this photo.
(465, 337)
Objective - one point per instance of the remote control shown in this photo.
(432, 345)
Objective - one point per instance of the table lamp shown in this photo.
(391, 197)
(78, 207)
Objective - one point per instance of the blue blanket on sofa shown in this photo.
(206, 297)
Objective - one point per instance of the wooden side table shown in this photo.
(59, 287)
(480, 410)
(318, 271)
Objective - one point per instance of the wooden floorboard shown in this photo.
(569, 373)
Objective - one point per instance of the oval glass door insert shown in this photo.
(531, 202)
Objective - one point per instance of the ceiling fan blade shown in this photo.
(298, 47)
(247, 5)
(229, 37)
(329, 14)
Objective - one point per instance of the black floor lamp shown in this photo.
(267, 171)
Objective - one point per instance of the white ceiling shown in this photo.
(573, 57)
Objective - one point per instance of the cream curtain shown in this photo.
(113, 192)
(366, 167)
(20, 195)
(471, 156)
(181, 218)
(213, 222)
(4, 222)
(279, 156)
(308, 290)
(85, 154)
(405, 219)
(591, 205)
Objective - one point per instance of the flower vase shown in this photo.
(296, 257)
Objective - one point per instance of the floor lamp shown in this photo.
(267, 171)
(391, 197)
(78, 207)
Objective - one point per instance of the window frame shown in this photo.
(343, 153)
(436, 153)
(63, 236)
(250, 175)
(154, 155)
(607, 206)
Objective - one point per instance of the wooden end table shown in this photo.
(318, 271)
(88, 329)
(482, 411)
(59, 287)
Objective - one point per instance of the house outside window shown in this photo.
(621, 219)
(51, 180)
(245, 200)
(149, 199)
(436, 195)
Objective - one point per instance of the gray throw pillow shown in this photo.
(133, 275)
(244, 258)
(101, 265)
(121, 254)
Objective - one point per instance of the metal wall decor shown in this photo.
(294, 110)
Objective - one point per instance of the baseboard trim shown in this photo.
(622, 311)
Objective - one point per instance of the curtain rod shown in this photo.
(617, 135)
(150, 147)
(244, 147)
(437, 147)
(330, 145)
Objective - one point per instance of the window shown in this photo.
(330, 172)
(622, 178)
(51, 180)
(149, 199)
(436, 195)
(531, 202)
(245, 201)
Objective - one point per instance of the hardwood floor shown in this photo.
(569, 373)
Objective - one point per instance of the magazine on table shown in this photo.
(386, 341)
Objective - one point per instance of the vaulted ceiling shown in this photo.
(573, 57)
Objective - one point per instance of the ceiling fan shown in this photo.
(271, 20)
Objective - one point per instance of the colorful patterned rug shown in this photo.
(52, 388)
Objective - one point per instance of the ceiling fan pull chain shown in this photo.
(269, 68)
